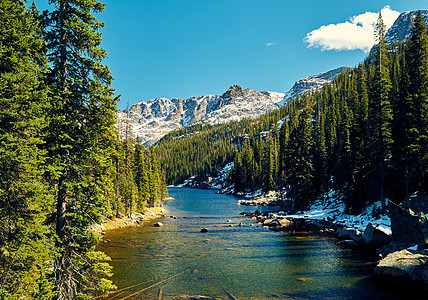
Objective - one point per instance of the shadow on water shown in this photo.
(177, 261)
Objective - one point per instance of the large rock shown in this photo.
(349, 233)
(408, 227)
(421, 274)
(416, 203)
(376, 236)
(404, 265)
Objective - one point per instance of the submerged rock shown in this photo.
(349, 233)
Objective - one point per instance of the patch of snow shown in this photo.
(415, 247)
(332, 207)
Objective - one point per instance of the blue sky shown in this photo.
(184, 48)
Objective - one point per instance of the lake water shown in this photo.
(230, 261)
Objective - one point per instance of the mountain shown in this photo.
(153, 119)
(310, 83)
(402, 27)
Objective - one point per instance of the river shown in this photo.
(229, 261)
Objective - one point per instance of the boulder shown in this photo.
(408, 227)
(348, 244)
(204, 230)
(421, 274)
(417, 203)
(158, 224)
(376, 236)
(282, 223)
(204, 185)
(349, 233)
(404, 265)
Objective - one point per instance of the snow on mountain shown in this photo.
(153, 119)
(310, 83)
(402, 27)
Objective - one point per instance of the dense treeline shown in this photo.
(62, 164)
(364, 134)
(203, 149)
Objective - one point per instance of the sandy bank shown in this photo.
(136, 219)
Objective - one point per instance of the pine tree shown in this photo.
(299, 159)
(380, 115)
(360, 141)
(81, 131)
(141, 175)
(417, 106)
(25, 248)
(320, 151)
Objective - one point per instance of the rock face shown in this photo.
(403, 265)
(310, 83)
(402, 27)
(153, 119)
(408, 228)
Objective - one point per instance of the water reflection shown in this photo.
(242, 262)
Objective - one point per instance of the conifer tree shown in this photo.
(299, 164)
(417, 105)
(380, 115)
(359, 138)
(25, 248)
(81, 131)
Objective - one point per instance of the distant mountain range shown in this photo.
(151, 120)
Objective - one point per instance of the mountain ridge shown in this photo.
(151, 120)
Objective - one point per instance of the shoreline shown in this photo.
(136, 219)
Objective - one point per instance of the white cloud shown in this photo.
(355, 33)
(271, 44)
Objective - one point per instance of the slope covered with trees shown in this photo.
(364, 134)
(62, 163)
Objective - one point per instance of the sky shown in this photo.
(185, 48)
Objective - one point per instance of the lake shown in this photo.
(178, 261)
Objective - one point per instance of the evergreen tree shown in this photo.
(320, 152)
(81, 131)
(416, 100)
(380, 115)
(25, 247)
(299, 164)
(359, 137)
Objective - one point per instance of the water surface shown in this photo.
(231, 261)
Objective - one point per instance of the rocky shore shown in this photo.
(400, 238)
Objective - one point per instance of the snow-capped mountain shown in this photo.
(402, 27)
(153, 119)
(310, 83)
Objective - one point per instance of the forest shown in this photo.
(364, 134)
(64, 165)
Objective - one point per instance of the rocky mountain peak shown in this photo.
(311, 83)
(232, 93)
(150, 120)
(403, 25)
